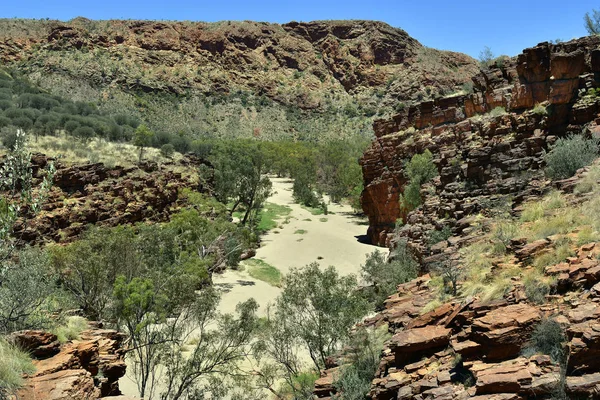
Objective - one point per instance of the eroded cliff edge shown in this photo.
(479, 154)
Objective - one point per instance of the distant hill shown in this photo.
(300, 80)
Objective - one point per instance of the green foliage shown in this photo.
(503, 232)
(13, 364)
(540, 110)
(496, 112)
(71, 329)
(16, 178)
(383, 276)
(180, 253)
(419, 170)
(548, 338)
(239, 168)
(142, 139)
(8, 137)
(486, 56)
(592, 22)
(437, 236)
(354, 380)
(25, 286)
(319, 307)
(167, 150)
(33, 110)
(569, 154)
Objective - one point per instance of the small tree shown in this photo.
(319, 307)
(239, 176)
(450, 273)
(167, 150)
(592, 22)
(25, 287)
(486, 56)
(16, 178)
(419, 170)
(142, 139)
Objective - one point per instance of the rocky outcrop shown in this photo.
(481, 151)
(470, 349)
(473, 348)
(344, 57)
(95, 194)
(88, 368)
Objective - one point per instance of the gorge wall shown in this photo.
(480, 152)
(315, 59)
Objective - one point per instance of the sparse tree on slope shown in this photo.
(592, 22)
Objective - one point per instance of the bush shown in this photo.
(13, 364)
(419, 170)
(569, 154)
(354, 381)
(547, 338)
(71, 329)
(498, 111)
(540, 110)
(167, 150)
(384, 276)
(26, 286)
(84, 133)
(436, 236)
(8, 137)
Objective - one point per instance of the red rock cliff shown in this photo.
(481, 154)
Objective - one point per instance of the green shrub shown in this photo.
(547, 338)
(8, 137)
(354, 380)
(437, 236)
(540, 110)
(384, 276)
(71, 329)
(13, 364)
(26, 286)
(504, 231)
(419, 170)
(496, 112)
(569, 154)
(167, 150)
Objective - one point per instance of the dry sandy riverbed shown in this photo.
(333, 241)
(329, 240)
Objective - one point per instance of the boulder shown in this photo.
(39, 344)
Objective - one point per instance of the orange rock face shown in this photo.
(488, 154)
(72, 372)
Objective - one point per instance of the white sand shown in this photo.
(334, 240)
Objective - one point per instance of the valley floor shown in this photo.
(300, 239)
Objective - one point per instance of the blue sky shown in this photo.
(467, 26)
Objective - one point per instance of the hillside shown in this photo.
(303, 80)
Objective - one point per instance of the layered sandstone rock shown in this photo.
(481, 157)
(472, 348)
(87, 368)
